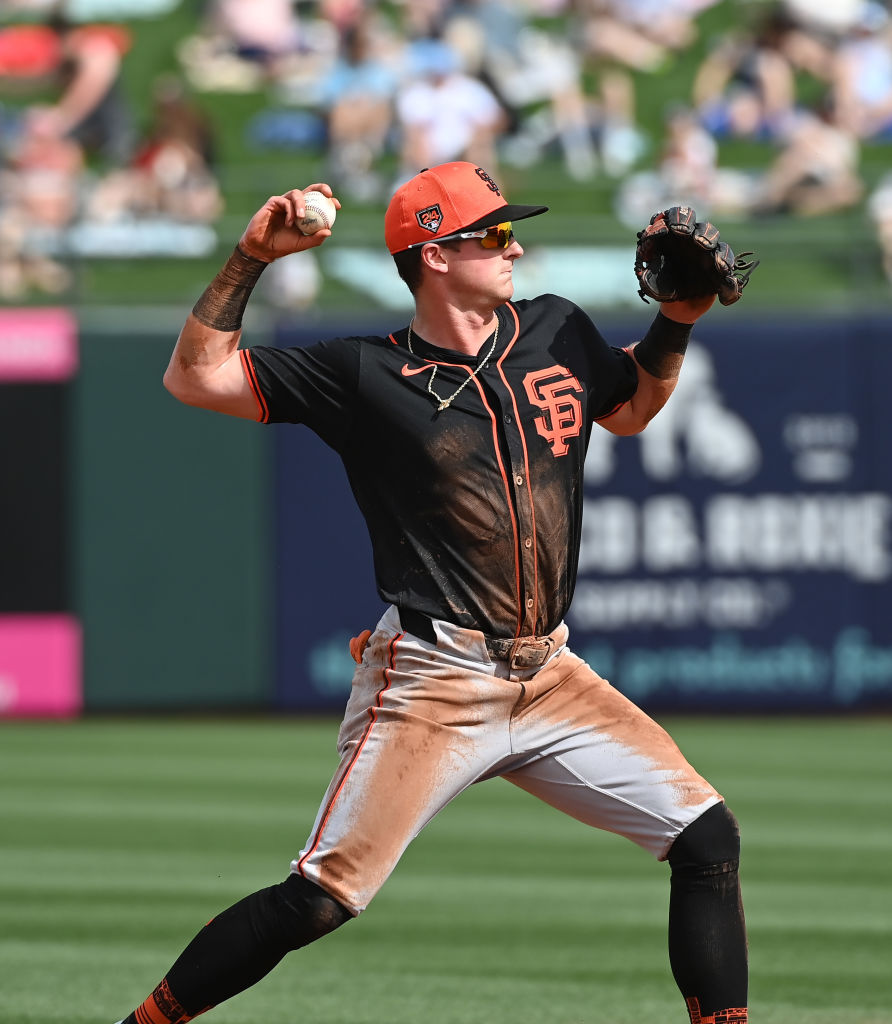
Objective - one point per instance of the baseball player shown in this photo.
(463, 434)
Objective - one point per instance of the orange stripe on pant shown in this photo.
(341, 781)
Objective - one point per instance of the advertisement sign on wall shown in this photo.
(40, 640)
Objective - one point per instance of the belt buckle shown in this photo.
(527, 652)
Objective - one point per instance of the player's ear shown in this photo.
(434, 257)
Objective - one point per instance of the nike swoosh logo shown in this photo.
(406, 371)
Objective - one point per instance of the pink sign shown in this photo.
(40, 666)
(38, 344)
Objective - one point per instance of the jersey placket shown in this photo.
(510, 432)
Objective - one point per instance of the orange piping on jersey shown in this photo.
(392, 340)
(616, 408)
(526, 458)
(373, 718)
(493, 418)
(495, 444)
(251, 374)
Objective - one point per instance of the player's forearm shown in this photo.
(204, 365)
(661, 351)
(659, 356)
(222, 304)
(649, 398)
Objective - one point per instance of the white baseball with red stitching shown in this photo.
(320, 213)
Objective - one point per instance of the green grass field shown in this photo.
(120, 838)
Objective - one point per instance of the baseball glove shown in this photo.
(678, 258)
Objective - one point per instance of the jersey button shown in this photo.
(518, 479)
(528, 542)
(509, 418)
(529, 602)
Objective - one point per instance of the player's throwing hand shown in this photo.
(273, 231)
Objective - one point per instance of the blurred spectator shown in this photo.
(830, 19)
(814, 30)
(444, 114)
(91, 108)
(862, 76)
(620, 142)
(746, 85)
(292, 285)
(29, 51)
(424, 19)
(527, 67)
(816, 172)
(879, 207)
(689, 157)
(39, 199)
(171, 173)
(263, 31)
(638, 34)
(244, 45)
(344, 15)
(357, 98)
(687, 174)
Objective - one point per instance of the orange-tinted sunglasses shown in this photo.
(499, 236)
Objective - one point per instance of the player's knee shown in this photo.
(307, 911)
(712, 841)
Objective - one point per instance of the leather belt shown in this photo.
(522, 652)
(519, 652)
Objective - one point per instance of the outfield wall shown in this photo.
(136, 565)
(172, 525)
(736, 556)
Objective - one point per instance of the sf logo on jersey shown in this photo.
(552, 391)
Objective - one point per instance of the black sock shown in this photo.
(239, 947)
(707, 932)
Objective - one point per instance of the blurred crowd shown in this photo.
(384, 88)
(75, 157)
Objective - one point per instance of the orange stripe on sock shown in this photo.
(732, 1015)
(693, 1005)
(149, 1013)
(161, 1008)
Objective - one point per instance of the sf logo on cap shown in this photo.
(430, 218)
(490, 184)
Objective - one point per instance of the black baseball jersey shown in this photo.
(475, 511)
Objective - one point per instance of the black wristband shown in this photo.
(661, 351)
(223, 302)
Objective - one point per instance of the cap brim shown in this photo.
(503, 213)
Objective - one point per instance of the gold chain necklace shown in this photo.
(444, 403)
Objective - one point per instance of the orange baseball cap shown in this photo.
(446, 199)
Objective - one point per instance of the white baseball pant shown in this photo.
(424, 721)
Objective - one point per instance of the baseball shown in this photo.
(320, 213)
